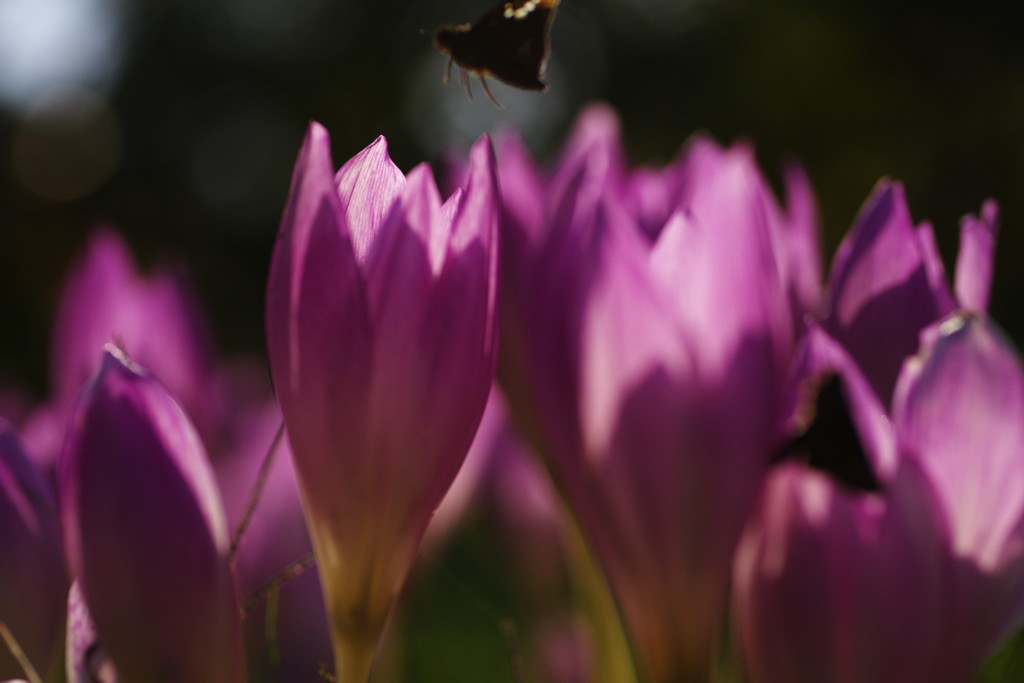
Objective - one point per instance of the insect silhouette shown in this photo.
(510, 43)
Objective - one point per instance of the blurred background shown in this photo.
(178, 121)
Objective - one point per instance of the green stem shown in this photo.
(611, 659)
(353, 658)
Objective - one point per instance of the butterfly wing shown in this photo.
(511, 42)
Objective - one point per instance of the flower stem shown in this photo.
(19, 655)
(611, 658)
(353, 658)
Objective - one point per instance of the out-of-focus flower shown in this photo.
(160, 323)
(381, 338)
(144, 532)
(959, 414)
(156, 319)
(837, 575)
(915, 573)
(648, 344)
(32, 579)
(887, 282)
(892, 551)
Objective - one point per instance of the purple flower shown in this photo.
(144, 532)
(647, 346)
(888, 283)
(381, 338)
(159, 321)
(959, 414)
(888, 544)
(155, 319)
(838, 577)
(916, 572)
(32, 579)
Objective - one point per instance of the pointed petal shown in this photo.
(937, 280)
(700, 157)
(435, 329)
(144, 532)
(540, 352)
(739, 313)
(834, 585)
(819, 355)
(975, 260)
(368, 185)
(382, 385)
(477, 216)
(99, 285)
(675, 431)
(880, 293)
(800, 243)
(959, 411)
(524, 229)
(651, 195)
(522, 190)
(317, 320)
(594, 148)
(629, 332)
(156, 319)
(964, 394)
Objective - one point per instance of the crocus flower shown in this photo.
(155, 318)
(647, 362)
(32, 579)
(851, 569)
(887, 282)
(144, 532)
(158, 320)
(919, 575)
(381, 338)
(959, 413)
(837, 576)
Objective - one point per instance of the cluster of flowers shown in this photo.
(833, 473)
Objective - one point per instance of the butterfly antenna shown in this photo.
(448, 71)
(464, 77)
(487, 89)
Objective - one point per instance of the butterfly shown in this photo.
(510, 43)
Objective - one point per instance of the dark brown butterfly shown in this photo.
(509, 43)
